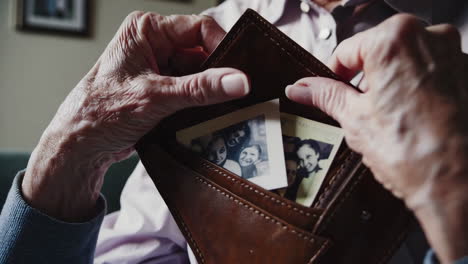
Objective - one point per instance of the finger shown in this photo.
(347, 60)
(189, 31)
(331, 96)
(447, 33)
(187, 61)
(170, 33)
(363, 85)
(209, 87)
(445, 30)
(375, 46)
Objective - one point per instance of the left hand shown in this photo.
(127, 92)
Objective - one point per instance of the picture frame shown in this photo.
(69, 17)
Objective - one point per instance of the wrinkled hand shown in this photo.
(125, 94)
(409, 120)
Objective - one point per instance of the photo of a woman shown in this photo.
(309, 149)
(308, 152)
(248, 158)
(247, 142)
(240, 148)
(217, 153)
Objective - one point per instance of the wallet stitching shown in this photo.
(189, 234)
(343, 198)
(229, 41)
(300, 234)
(276, 42)
(180, 219)
(250, 188)
(293, 46)
(319, 252)
(331, 184)
(392, 248)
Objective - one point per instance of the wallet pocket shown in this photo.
(295, 214)
(226, 219)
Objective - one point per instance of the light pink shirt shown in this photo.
(143, 231)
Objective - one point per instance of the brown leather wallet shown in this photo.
(227, 219)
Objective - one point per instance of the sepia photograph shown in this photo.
(57, 16)
(309, 149)
(247, 142)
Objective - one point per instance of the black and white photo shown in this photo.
(246, 142)
(309, 148)
(240, 148)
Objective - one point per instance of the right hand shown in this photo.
(128, 91)
(409, 120)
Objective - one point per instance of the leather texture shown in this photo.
(227, 219)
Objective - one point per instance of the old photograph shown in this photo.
(240, 148)
(309, 148)
(246, 142)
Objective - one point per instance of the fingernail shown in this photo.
(297, 93)
(235, 85)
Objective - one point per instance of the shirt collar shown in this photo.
(419, 8)
(274, 11)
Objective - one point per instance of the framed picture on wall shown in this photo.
(57, 16)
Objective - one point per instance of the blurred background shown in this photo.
(38, 69)
(45, 50)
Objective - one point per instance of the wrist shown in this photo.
(63, 178)
(443, 217)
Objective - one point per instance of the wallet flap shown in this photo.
(274, 62)
(295, 214)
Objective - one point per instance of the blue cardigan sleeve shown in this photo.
(432, 259)
(29, 236)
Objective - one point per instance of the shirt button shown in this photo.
(325, 33)
(305, 7)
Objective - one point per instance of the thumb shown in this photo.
(331, 96)
(209, 87)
